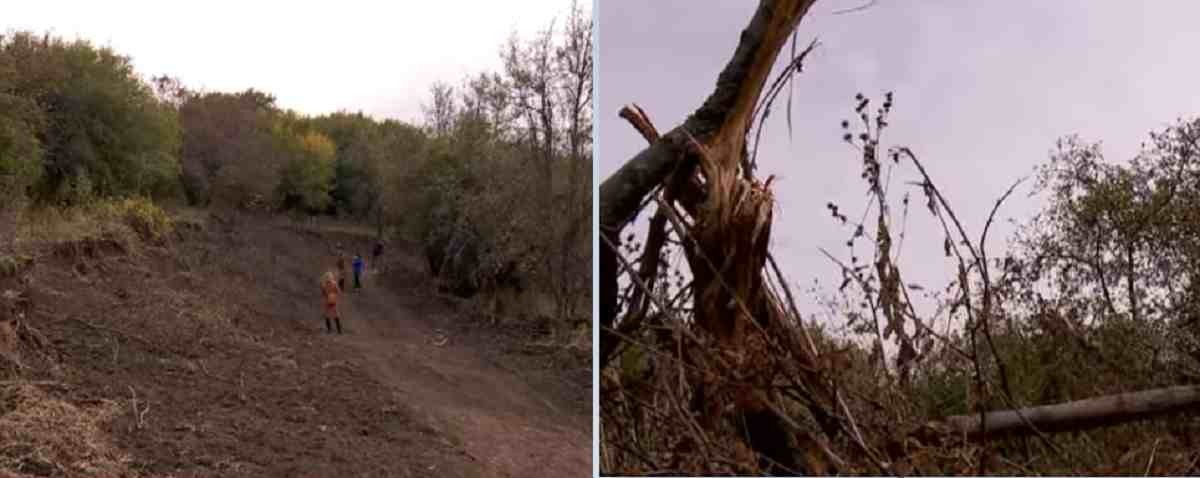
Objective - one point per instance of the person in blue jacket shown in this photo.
(358, 269)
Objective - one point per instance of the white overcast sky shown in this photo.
(315, 57)
(983, 89)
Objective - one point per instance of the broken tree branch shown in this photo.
(637, 117)
(729, 108)
(655, 240)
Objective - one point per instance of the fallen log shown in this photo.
(1078, 415)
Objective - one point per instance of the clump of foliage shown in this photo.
(101, 131)
(147, 219)
(307, 175)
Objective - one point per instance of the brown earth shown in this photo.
(207, 357)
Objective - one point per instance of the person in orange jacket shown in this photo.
(330, 292)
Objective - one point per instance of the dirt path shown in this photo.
(499, 420)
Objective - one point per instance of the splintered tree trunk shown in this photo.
(1078, 415)
(720, 124)
(732, 214)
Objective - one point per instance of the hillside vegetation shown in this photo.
(494, 184)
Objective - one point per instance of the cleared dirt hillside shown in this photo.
(203, 354)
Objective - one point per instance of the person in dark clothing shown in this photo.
(341, 271)
(358, 269)
(376, 252)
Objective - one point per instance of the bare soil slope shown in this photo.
(206, 357)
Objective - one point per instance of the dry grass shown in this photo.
(53, 224)
(126, 223)
(46, 436)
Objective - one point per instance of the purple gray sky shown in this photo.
(316, 57)
(983, 90)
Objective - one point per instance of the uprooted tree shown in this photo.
(721, 375)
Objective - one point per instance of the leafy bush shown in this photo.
(12, 265)
(148, 220)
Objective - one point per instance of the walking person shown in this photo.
(341, 268)
(375, 253)
(358, 270)
(330, 292)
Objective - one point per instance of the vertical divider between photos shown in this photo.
(596, 91)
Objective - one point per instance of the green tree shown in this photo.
(358, 152)
(20, 153)
(105, 132)
(227, 146)
(307, 177)
(1115, 252)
